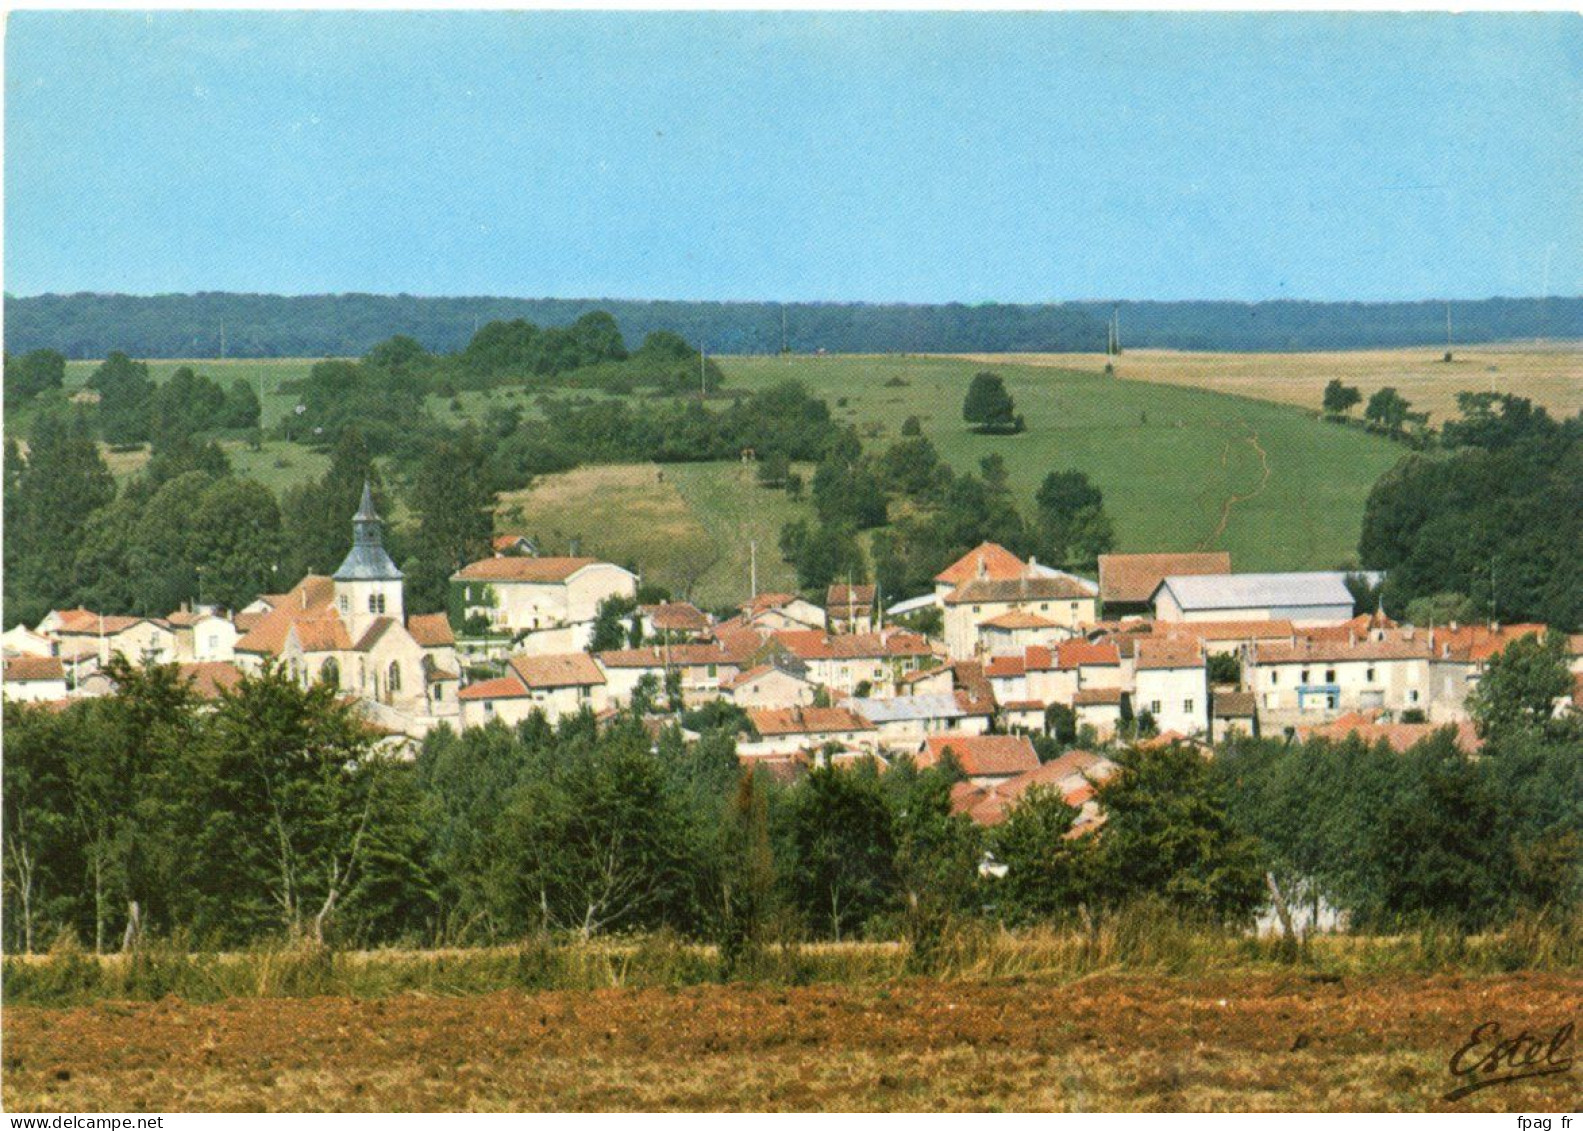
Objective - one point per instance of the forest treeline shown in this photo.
(348, 325)
(273, 815)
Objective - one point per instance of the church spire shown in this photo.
(368, 560)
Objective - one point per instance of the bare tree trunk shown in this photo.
(134, 925)
(22, 865)
(98, 904)
(1281, 910)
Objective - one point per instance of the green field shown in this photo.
(1181, 468)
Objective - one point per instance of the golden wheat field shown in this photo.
(1289, 1041)
(1550, 374)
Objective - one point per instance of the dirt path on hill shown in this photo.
(1247, 1041)
(1230, 501)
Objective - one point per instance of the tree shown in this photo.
(32, 373)
(1048, 874)
(610, 630)
(1339, 398)
(48, 504)
(1071, 517)
(125, 391)
(937, 856)
(237, 541)
(773, 469)
(1168, 836)
(747, 876)
(317, 517)
(453, 502)
(843, 849)
(1387, 410)
(1443, 608)
(1521, 687)
(300, 793)
(988, 406)
(1060, 722)
(912, 426)
(242, 408)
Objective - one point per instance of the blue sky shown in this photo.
(801, 156)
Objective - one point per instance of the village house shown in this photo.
(926, 681)
(1066, 602)
(1371, 729)
(1101, 708)
(786, 730)
(550, 602)
(202, 635)
(781, 684)
(1302, 598)
(209, 678)
(782, 612)
(850, 608)
(1127, 581)
(557, 685)
(845, 663)
(20, 640)
(1171, 682)
(1302, 679)
(986, 759)
(674, 620)
(90, 639)
(907, 720)
(513, 546)
(34, 679)
(1458, 657)
(351, 631)
(1233, 713)
(701, 667)
(1076, 775)
(1016, 631)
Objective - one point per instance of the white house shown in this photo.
(542, 595)
(782, 731)
(557, 685)
(1064, 602)
(842, 663)
(202, 635)
(769, 685)
(1170, 681)
(778, 612)
(34, 679)
(1302, 598)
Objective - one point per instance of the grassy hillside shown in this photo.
(1181, 469)
(684, 526)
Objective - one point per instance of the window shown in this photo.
(1330, 701)
(1412, 696)
(1306, 674)
(978, 608)
(1275, 677)
(439, 692)
(1368, 676)
(1044, 606)
(489, 707)
(713, 670)
(376, 602)
(1154, 707)
(345, 602)
(583, 692)
(214, 643)
(393, 680)
(1330, 675)
(1074, 609)
(1187, 706)
(330, 672)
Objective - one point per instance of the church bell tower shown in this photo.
(368, 585)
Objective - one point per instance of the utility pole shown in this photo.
(785, 340)
(703, 373)
(753, 568)
(222, 339)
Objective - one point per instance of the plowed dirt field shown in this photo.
(1105, 1043)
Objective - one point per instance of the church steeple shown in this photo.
(368, 585)
(368, 560)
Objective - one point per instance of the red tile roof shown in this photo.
(327, 633)
(1073, 654)
(993, 591)
(531, 570)
(1004, 667)
(311, 597)
(990, 559)
(34, 668)
(676, 616)
(811, 644)
(1015, 619)
(431, 630)
(1153, 653)
(212, 677)
(982, 755)
(506, 687)
(1098, 697)
(840, 599)
(1400, 736)
(1073, 775)
(771, 722)
(1133, 578)
(567, 669)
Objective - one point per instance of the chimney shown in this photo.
(304, 598)
(983, 567)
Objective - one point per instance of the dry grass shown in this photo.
(1108, 1042)
(626, 512)
(1548, 374)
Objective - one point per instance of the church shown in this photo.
(351, 630)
